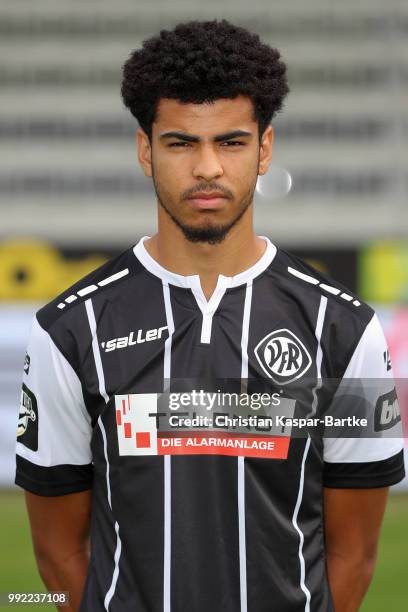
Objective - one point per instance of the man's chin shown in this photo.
(205, 234)
(208, 231)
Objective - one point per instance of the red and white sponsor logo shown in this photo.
(137, 432)
(138, 435)
(223, 443)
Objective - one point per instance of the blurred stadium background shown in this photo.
(72, 195)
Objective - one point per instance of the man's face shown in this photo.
(204, 160)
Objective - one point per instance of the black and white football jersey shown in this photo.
(166, 405)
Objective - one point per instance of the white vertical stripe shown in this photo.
(318, 333)
(245, 330)
(95, 349)
(170, 325)
(319, 356)
(167, 458)
(112, 587)
(241, 460)
(242, 534)
(295, 524)
(102, 390)
(118, 550)
(319, 353)
(167, 534)
(105, 451)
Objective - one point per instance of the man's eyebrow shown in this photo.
(231, 135)
(180, 136)
(219, 138)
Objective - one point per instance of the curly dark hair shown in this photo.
(203, 61)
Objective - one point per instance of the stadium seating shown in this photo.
(67, 144)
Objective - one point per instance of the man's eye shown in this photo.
(179, 144)
(232, 143)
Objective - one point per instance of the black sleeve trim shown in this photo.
(370, 475)
(54, 480)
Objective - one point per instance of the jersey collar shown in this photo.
(193, 281)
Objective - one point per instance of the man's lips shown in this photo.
(207, 200)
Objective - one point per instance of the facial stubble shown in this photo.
(211, 233)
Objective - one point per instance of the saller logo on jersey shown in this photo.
(133, 338)
(282, 356)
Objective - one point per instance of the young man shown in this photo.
(198, 505)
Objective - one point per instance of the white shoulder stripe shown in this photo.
(91, 288)
(305, 277)
(71, 299)
(87, 290)
(328, 288)
(113, 278)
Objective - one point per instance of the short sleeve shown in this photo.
(53, 452)
(376, 458)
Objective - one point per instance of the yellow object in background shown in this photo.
(34, 270)
(319, 265)
(37, 271)
(383, 272)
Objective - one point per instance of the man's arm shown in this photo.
(60, 532)
(352, 519)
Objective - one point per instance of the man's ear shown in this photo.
(144, 151)
(265, 150)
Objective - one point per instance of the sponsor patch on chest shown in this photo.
(150, 424)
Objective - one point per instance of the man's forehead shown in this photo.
(218, 116)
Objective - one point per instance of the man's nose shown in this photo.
(207, 165)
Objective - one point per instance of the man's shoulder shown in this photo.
(304, 279)
(108, 276)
